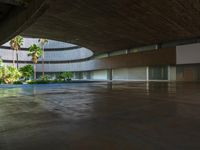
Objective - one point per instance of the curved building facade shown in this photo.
(154, 62)
(58, 56)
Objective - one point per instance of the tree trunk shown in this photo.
(43, 64)
(13, 58)
(17, 59)
(35, 72)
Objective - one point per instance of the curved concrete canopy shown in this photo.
(17, 15)
(117, 24)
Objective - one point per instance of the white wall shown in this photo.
(74, 54)
(6, 54)
(188, 54)
(99, 75)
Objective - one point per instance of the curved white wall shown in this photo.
(61, 67)
(74, 54)
(57, 56)
(7, 54)
(62, 55)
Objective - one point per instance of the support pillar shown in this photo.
(147, 73)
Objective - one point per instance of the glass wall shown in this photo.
(158, 73)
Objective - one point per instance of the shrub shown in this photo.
(45, 78)
(9, 74)
(66, 76)
(38, 82)
(27, 72)
(18, 82)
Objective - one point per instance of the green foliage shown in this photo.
(66, 75)
(39, 82)
(9, 74)
(16, 42)
(35, 52)
(45, 78)
(42, 42)
(27, 71)
(59, 77)
(18, 82)
(1, 81)
(1, 62)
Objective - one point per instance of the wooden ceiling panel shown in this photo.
(118, 24)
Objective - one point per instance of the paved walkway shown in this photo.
(101, 116)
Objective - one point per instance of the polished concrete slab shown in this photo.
(100, 116)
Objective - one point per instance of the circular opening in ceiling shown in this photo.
(53, 51)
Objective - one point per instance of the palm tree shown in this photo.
(42, 42)
(35, 52)
(16, 44)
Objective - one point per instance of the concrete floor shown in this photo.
(101, 116)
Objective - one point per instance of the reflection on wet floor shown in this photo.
(118, 115)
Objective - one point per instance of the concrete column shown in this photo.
(147, 73)
(109, 71)
(171, 73)
(109, 74)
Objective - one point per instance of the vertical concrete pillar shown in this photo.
(147, 73)
(171, 73)
(109, 74)
(127, 51)
(109, 71)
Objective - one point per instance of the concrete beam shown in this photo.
(21, 18)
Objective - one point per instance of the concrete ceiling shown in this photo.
(117, 24)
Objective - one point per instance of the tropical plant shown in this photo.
(27, 71)
(18, 82)
(1, 62)
(2, 71)
(42, 43)
(45, 77)
(66, 75)
(9, 74)
(39, 82)
(35, 52)
(59, 77)
(16, 44)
